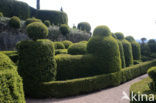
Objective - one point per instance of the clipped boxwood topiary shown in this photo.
(47, 23)
(36, 64)
(1, 14)
(67, 43)
(77, 48)
(84, 26)
(152, 74)
(15, 22)
(11, 86)
(31, 20)
(130, 38)
(119, 35)
(59, 45)
(127, 52)
(64, 28)
(37, 30)
(106, 50)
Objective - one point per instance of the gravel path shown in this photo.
(111, 95)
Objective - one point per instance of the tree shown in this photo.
(143, 40)
(38, 4)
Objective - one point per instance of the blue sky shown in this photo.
(132, 17)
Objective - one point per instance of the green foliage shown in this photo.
(67, 43)
(130, 38)
(31, 20)
(15, 22)
(122, 56)
(59, 45)
(101, 31)
(119, 35)
(55, 17)
(61, 51)
(47, 23)
(152, 73)
(37, 30)
(127, 52)
(15, 8)
(83, 42)
(152, 45)
(64, 28)
(136, 50)
(1, 14)
(94, 83)
(84, 26)
(10, 83)
(77, 48)
(12, 55)
(36, 63)
(142, 87)
(113, 35)
(145, 49)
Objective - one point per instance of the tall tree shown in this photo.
(38, 4)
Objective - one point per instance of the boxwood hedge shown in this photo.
(11, 86)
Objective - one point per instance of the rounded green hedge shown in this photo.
(47, 23)
(101, 31)
(67, 43)
(127, 52)
(37, 30)
(36, 63)
(31, 20)
(119, 35)
(136, 50)
(15, 22)
(130, 38)
(152, 73)
(77, 48)
(1, 14)
(84, 26)
(64, 28)
(106, 50)
(59, 45)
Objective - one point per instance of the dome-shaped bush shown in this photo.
(36, 64)
(37, 30)
(105, 50)
(136, 50)
(130, 38)
(152, 73)
(15, 22)
(119, 35)
(67, 43)
(31, 20)
(84, 26)
(77, 48)
(64, 28)
(59, 45)
(113, 35)
(47, 23)
(1, 14)
(101, 31)
(127, 52)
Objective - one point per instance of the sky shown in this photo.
(131, 17)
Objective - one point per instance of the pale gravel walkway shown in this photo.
(111, 95)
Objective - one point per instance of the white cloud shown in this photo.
(132, 17)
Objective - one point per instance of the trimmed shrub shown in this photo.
(77, 48)
(94, 83)
(15, 22)
(55, 17)
(15, 8)
(1, 14)
(152, 74)
(84, 26)
(61, 51)
(37, 30)
(12, 55)
(130, 38)
(64, 28)
(67, 43)
(136, 50)
(10, 83)
(119, 35)
(36, 63)
(122, 56)
(47, 23)
(127, 52)
(83, 42)
(113, 35)
(152, 45)
(31, 20)
(103, 46)
(59, 45)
